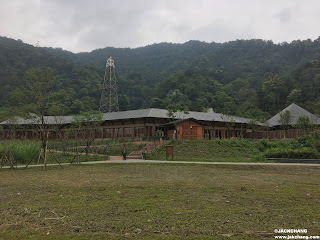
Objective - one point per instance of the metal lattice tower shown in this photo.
(109, 95)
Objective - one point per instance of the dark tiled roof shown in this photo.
(58, 120)
(296, 112)
(141, 113)
(162, 113)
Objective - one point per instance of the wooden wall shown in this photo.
(118, 129)
(280, 134)
(189, 130)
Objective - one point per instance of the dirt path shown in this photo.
(176, 162)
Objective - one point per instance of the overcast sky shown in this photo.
(84, 25)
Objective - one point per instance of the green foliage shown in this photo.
(242, 150)
(39, 84)
(295, 96)
(87, 119)
(303, 122)
(316, 137)
(249, 78)
(307, 146)
(303, 153)
(22, 151)
(273, 91)
(210, 150)
(32, 101)
(159, 134)
(311, 141)
(306, 141)
(86, 124)
(265, 145)
(252, 124)
(105, 147)
(34, 94)
(285, 118)
(175, 109)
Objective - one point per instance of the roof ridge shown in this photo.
(293, 106)
(296, 111)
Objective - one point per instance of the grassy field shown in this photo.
(236, 150)
(158, 201)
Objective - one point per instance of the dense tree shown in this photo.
(250, 78)
(303, 122)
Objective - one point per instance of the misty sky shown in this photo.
(84, 25)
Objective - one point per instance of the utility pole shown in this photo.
(109, 95)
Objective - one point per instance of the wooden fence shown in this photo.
(280, 134)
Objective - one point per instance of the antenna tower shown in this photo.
(109, 95)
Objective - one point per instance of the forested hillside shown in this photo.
(251, 78)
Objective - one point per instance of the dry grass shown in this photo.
(157, 201)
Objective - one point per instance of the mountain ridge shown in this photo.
(195, 75)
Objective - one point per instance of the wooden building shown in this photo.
(144, 124)
(184, 129)
(194, 129)
(139, 124)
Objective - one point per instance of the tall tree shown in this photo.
(285, 120)
(33, 99)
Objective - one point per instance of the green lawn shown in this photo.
(158, 201)
(187, 150)
(212, 150)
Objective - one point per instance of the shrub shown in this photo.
(310, 141)
(302, 153)
(306, 141)
(294, 144)
(22, 151)
(264, 145)
(316, 135)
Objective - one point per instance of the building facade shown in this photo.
(138, 124)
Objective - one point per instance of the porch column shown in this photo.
(213, 135)
(144, 131)
(149, 131)
(153, 130)
(103, 133)
(111, 133)
(132, 132)
(223, 133)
